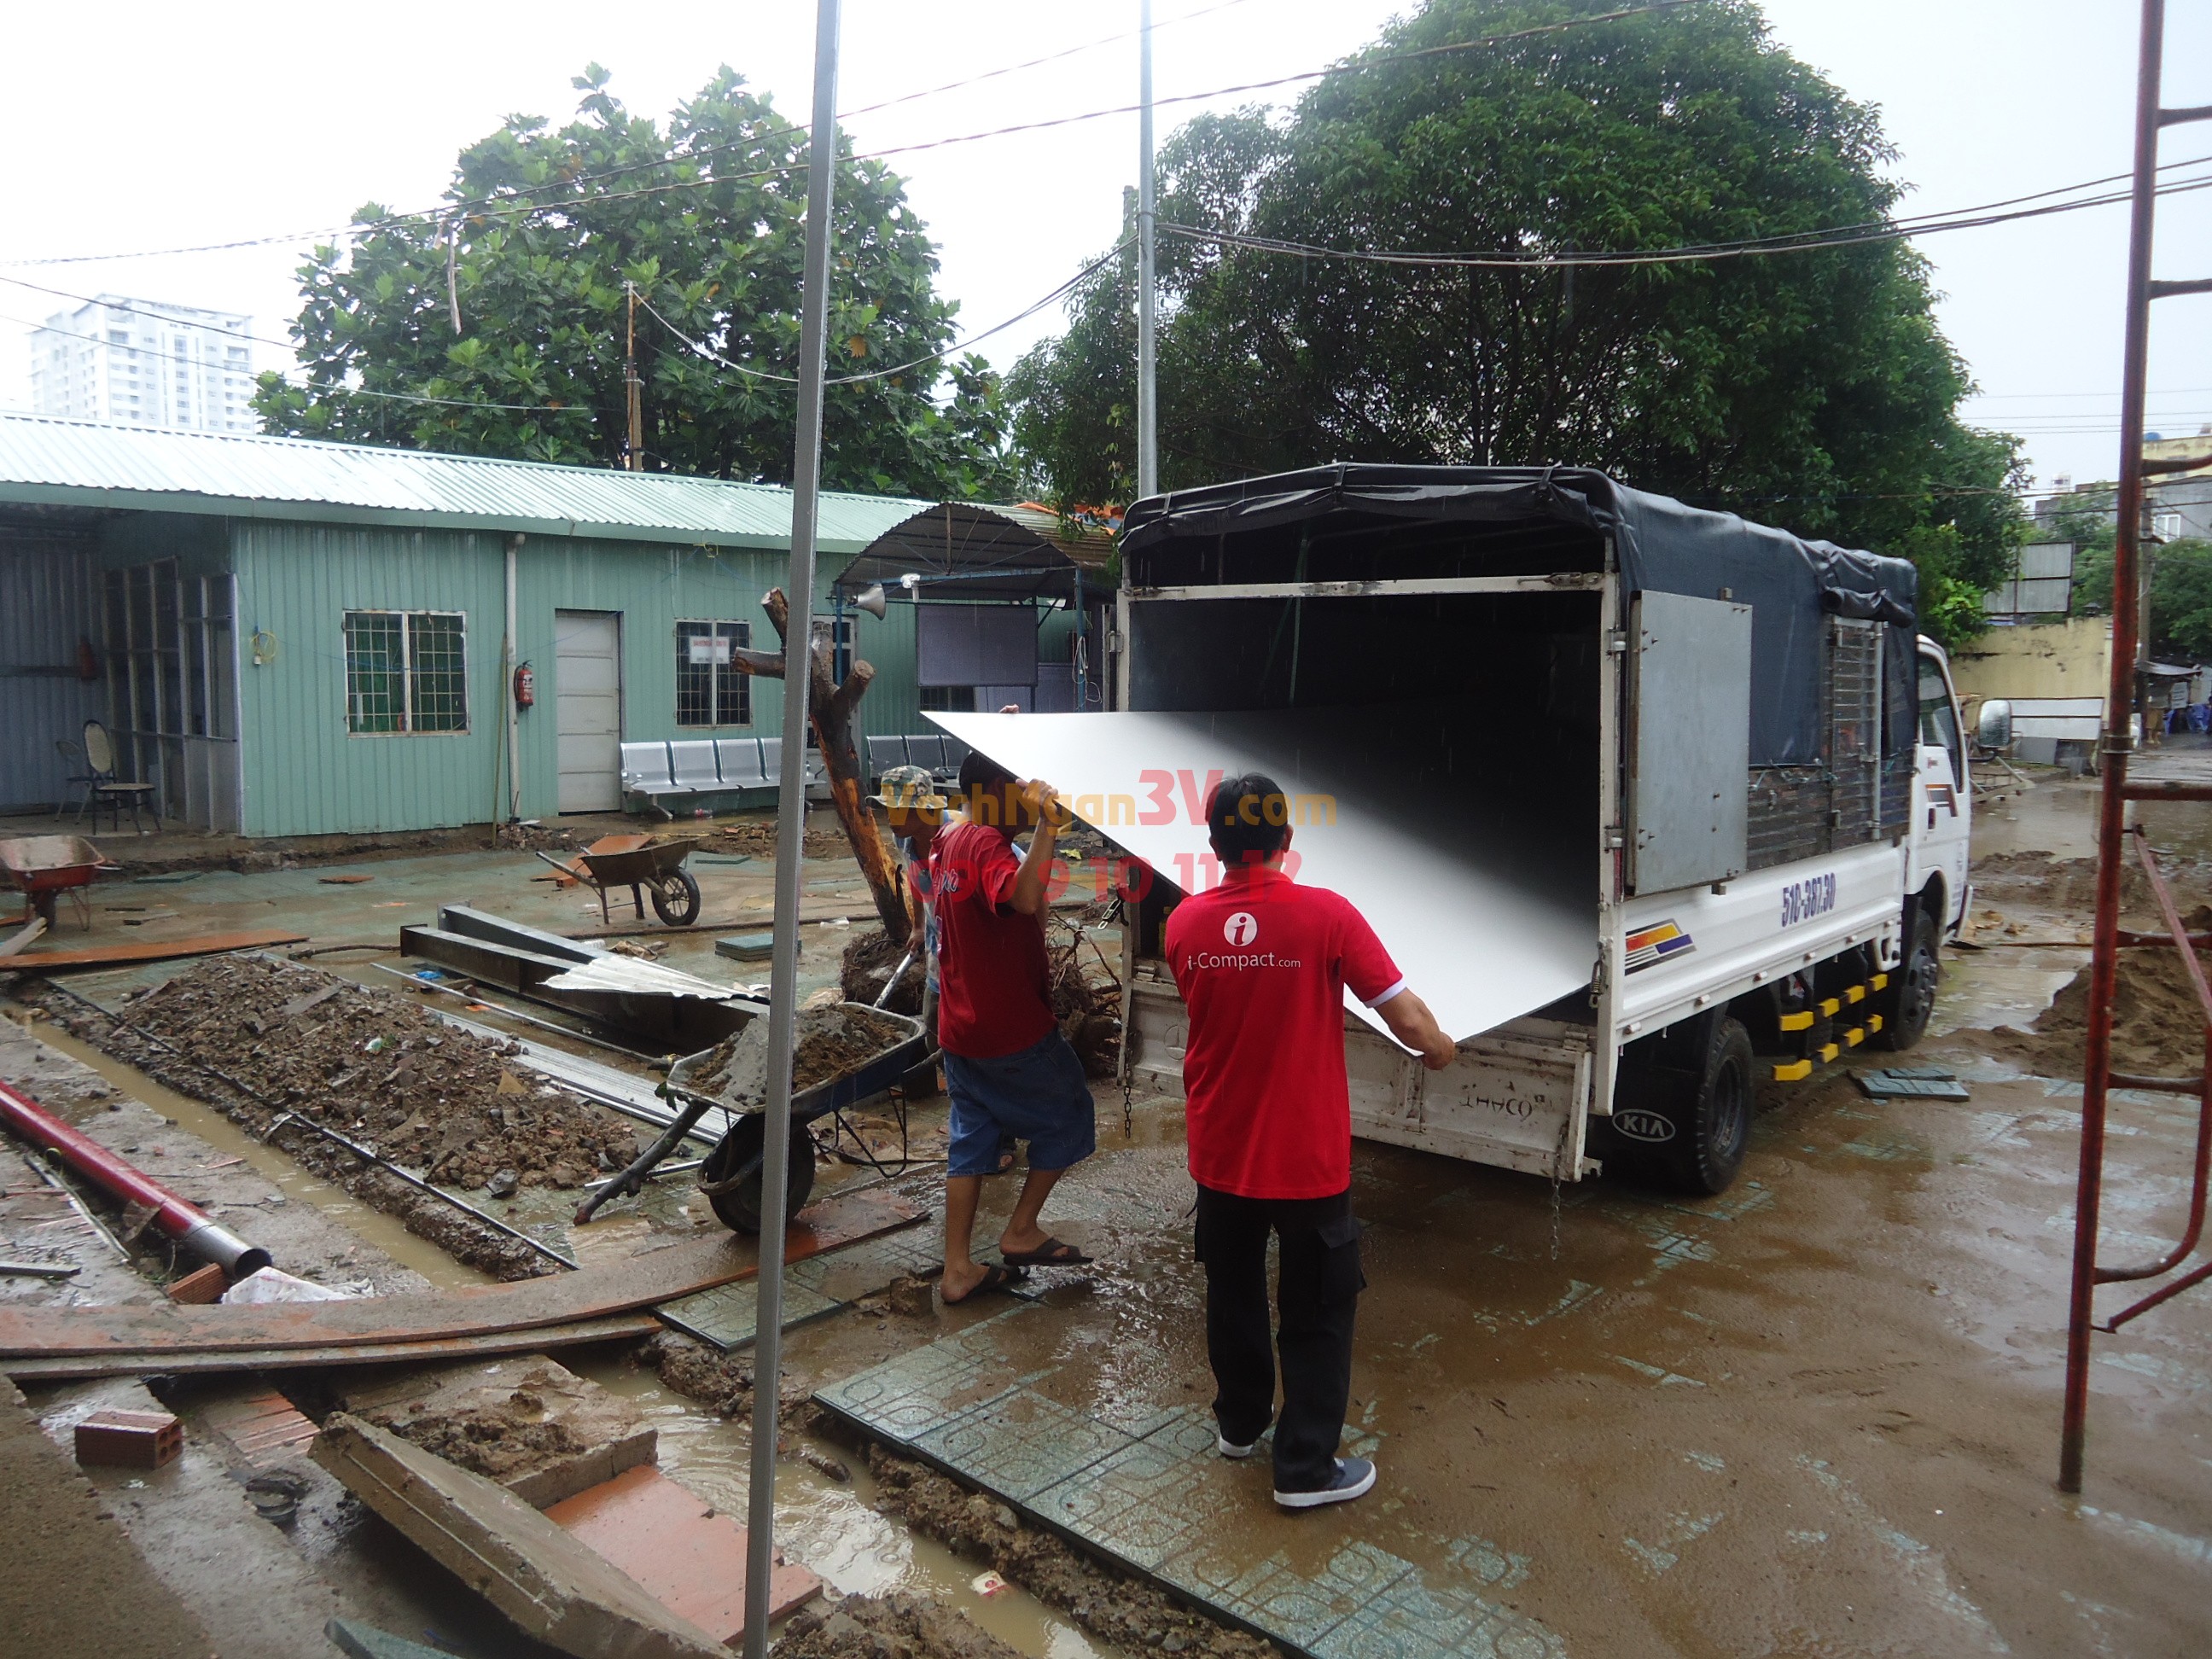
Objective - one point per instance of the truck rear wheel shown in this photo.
(1687, 1124)
(1909, 999)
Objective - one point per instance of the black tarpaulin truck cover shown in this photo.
(1662, 545)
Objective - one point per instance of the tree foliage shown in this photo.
(1812, 390)
(707, 221)
(2180, 580)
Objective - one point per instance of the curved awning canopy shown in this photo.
(962, 552)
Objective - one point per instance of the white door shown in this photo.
(587, 687)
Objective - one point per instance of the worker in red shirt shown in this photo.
(1010, 1071)
(1262, 964)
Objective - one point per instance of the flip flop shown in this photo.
(1050, 1254)
(995, 1278)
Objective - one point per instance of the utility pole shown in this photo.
(1148, 390)
(632, 388)
(791, 832)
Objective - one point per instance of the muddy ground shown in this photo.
(1817, 1415)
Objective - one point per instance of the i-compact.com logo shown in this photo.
(1241, 928)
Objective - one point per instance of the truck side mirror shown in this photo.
(1993, 725)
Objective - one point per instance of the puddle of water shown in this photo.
(297, 1184)
(833, 1528)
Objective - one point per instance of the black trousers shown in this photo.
(1317, 1295)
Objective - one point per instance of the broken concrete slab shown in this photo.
(547, 1582)
(679, 1546)
(528, 1423)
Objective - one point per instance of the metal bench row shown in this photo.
(700, 766)
(931, 753)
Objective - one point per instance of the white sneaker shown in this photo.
(1355, 1478)
(1222, 1444)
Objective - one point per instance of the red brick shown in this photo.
(202, 1284)
(138, 1440)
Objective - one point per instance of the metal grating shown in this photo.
(1854, 700)
(1856, 793)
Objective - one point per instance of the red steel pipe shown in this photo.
(188, 1224)
(2117, 741)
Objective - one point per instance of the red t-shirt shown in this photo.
(994, 997)
(1263, 963)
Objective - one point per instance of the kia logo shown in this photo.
(1240, 928)
(1639, 1124)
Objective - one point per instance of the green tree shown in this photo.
(1812, 390)
(707, 221)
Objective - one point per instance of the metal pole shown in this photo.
(632, 387)
(791, 832)
(1148, 392)
(512, 655)
(2119, 705)
(1082, 651)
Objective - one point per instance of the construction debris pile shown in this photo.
(832, 1041)
(374, 1066)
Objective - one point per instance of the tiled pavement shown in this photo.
(726, 1316)
(1152, 1491)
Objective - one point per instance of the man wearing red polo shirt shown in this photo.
(1009, 1071)
(1262, 964)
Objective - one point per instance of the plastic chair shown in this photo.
(103, 784)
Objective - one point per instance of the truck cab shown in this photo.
(1942, 796)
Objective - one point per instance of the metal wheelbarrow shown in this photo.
(729, 1178)
(644, 866)
(42, 867)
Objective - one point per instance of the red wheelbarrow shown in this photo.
(41, 867)
(648, 867)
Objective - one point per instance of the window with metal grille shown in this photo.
(711, 689)
(406, 671)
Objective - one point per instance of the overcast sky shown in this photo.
(163, 127)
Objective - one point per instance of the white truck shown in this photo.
(1750, 761)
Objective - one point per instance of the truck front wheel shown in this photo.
(1910, 997)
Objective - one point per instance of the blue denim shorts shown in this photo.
(1037, 1094)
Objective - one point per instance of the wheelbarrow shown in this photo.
(729, 1178)
(641, 863)
(42, 867)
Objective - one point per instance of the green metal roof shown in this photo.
(87, 463)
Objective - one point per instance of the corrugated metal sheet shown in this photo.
(85, 463)
(46, 590)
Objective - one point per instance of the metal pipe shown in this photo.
(512, 653)
(2118, 740)
(1148, 396)
(791, 830)
(188, 1224)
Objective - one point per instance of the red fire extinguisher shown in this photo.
(526, 687)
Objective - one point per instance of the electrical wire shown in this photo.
(486, 204)
(1542, 260)
(171, 356)
(712, 355)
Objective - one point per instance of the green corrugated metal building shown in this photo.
(297, 638)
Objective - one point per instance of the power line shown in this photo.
(1541, 259)
(488, 204)
(351, 391)
(712, 355)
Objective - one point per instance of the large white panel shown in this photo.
(1483, 936)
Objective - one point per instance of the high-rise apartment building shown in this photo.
(144, 363)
